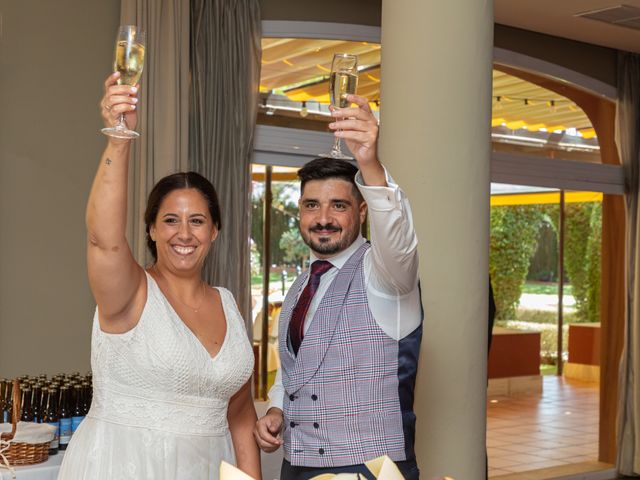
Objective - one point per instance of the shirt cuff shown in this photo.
(276, 397)
(380, 198)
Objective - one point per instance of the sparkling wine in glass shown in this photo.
(342, 82)
(129, 61)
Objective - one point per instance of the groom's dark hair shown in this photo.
(324, 168)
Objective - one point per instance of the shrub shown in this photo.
(514, 233)
(594, 250)
(544, 262)
(576, 259)
(582, 245)
(541, 316)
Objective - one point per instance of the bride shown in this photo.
(170, 355)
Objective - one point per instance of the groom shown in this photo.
(350, 328)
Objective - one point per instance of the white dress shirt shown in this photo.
(390, 268)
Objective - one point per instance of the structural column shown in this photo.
(435, 139)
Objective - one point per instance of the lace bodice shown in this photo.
(158, 375)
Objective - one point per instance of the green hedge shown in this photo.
(582, 254)
(595, 260)
(576, 247)
(514, 234)
(515, 230)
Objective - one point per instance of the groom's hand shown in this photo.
(268, 429)
(358, 126)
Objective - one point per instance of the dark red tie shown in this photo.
(296, 326)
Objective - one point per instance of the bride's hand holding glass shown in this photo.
(119, 100)
(128, 62)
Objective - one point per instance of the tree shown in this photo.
(294, 248)
(284, 214)
(582, 245)
(594, 250)
(576, 261)
(514, 234)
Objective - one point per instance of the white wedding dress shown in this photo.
(159, 407)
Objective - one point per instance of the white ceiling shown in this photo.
(556, 17)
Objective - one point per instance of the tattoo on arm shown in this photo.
(108, 161)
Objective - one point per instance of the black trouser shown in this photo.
(408, 468)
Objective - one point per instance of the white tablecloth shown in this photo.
(42, 471)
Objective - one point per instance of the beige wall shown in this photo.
(54, 56)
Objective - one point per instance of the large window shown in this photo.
(286, 253)
(543, 392)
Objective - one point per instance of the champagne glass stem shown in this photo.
(336, 151)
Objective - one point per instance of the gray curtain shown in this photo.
(628, 140)
(225, 76)
(164, 105)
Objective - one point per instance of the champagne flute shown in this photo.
(128, 60)
(342, 82)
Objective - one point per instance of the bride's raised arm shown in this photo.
(117, 281)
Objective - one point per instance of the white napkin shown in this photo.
(29, 432)
(384, 468)
(338, 476)
(229, 472)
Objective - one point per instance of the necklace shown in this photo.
(195, 309)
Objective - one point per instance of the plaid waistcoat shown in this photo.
(347, 398)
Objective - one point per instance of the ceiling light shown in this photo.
(304, 111)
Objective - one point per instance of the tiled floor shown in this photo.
(557, 427)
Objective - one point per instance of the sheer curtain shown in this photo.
(164, 105)
(225, 75)
(628, 140)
